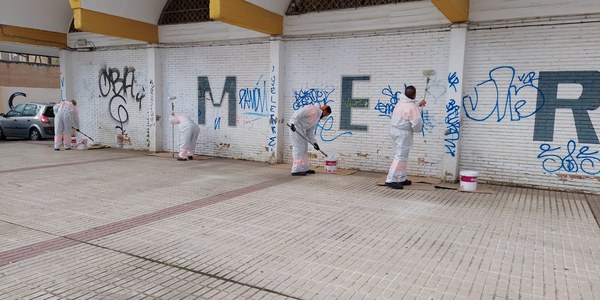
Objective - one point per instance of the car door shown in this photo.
(9, 123)
(26, 119)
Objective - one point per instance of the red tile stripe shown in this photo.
(62, 242)
(75, 163)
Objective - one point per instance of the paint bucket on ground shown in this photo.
(73, 142)
(330, 164)
(81, 144)
(468, 181)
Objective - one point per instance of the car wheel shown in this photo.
(2, 136)
(34, 135)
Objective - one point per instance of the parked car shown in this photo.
(34, 121)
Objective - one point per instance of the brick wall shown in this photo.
(188, 68)
(314, 73)
(503, 131)
(120, 76)
(511, 77)
(26, 75)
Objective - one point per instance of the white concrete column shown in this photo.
(155, 99)
(451, 158)
(66, 75)
(276, 108)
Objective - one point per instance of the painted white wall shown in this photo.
(486, 10)
(205, 31)
(390, 60)
(393, 52)
(381, 17)
(249, 63)
(504, 150)
(41, 95)
(100, 40)
(97, 114)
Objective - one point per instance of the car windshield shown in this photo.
(49, 112)
(17, 111)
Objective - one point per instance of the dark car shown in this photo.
(34, 121)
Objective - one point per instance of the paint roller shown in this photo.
(428, 74)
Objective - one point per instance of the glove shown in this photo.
(293, 127)
(316, 146)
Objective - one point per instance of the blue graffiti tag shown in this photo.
(452, 127)
(386, 109)
(314, 96)
(584, 161)
(501, 84)
(317, 96)
(428, 123)
(217, 123)
(327, 126)
(255, 99)
(272, 110)
(453, 80)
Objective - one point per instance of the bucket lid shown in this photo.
(468, 173)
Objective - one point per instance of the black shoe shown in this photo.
(406, 182)
(190, 157)
(310, 172)
(394, 185)
(67, 148)
(299, 174)
(56, 149)
(181, 159)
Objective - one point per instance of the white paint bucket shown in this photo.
(81, 144)
(468, 181)
(73, 142)
(330, 165)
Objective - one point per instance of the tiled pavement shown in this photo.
(110, 224)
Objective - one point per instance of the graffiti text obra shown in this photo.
(121, 87)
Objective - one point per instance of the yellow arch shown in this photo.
(456, 11)
(101, 23)
(15, 34)
(246, 15)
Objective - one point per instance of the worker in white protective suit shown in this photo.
(303, 123)
(189, 136)
(66, 118)
(406, 120)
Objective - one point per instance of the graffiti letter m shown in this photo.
(204, 92)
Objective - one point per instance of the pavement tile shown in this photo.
(132, 225)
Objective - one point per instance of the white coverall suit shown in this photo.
(406, 120)
(189, 134)
(305, 120)
(66, 117)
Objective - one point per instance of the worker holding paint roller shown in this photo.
(66, 118)
(406, 120)
(189, 135)
(302, 124)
